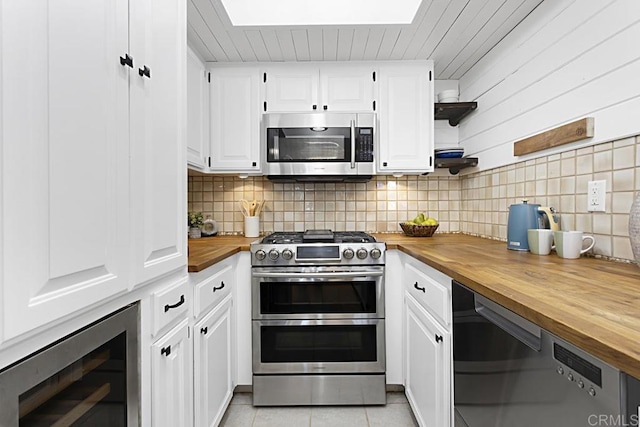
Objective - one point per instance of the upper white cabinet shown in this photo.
(92, 201)
(235, 119)
(64, 171)
(319, 87)
(405, 126)
(158, 106)
(197, 112)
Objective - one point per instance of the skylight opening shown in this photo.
(320, 12)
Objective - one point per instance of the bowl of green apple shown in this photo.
(420, 226)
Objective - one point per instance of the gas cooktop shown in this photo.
(318, 236)
(317, 247)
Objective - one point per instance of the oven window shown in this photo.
(308, 145)
(322, 343)
(89, 392)
(318, 297)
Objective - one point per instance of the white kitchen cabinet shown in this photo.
(213, 364)
(235, 119)
(428, 366)
(197, 112)
(158, 131)
(171, 381)
(405, 113)
(64, 167)
(92, 165)
(343, 87)
(428, 346)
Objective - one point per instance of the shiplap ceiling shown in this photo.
(454, 33)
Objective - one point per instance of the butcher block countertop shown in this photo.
(591, 303)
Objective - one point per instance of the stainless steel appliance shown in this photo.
(319, 146)
(510, 372)
(318, 319)
(90, 378)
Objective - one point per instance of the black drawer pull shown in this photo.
(204, 330)
(438, 338)
(146, 71)
(415, 285)
(325, 107)
(315, 107)
(166, 350)
(219, 287)
(176, 305)
(127, 60)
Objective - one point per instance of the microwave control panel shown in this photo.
(364, 145)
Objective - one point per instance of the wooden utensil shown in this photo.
(252, 208)
(244, 205)
(259, 207)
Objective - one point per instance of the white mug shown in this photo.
(251, 226)
(568, 244)
(540, 241)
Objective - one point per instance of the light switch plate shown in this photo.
(596, 195)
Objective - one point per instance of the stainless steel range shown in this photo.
(318, 319)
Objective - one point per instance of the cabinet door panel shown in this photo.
(64, 163)
(347, 88)
(213, 365)
(197, 111)
(235, 120)
(406, 118)
(158, 137)
(292, 88)
(171, 385)
(428, 367)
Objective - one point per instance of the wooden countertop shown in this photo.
(593, 304)
(207, 251)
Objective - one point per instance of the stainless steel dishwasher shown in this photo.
(510, 372)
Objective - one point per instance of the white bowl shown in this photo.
(449, 95)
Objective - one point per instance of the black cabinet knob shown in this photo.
(145, 72)
(204, 330)
(325, 107)
(315, 107)
(127, 60)
(165, 351)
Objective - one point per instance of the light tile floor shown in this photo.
(396, 413)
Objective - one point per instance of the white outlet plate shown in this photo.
(596, 194)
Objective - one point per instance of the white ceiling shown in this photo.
(454, 33)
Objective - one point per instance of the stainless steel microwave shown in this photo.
(319, 146)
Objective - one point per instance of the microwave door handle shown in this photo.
(353, 144)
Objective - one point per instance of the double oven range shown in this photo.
(318, 319)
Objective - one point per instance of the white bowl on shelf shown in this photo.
(449, 95)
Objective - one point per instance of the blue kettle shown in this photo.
(524, 216)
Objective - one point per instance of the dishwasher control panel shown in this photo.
(578, 364)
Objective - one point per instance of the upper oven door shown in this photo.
(319, 143)
(318, 292)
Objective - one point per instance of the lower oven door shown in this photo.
(318, 346)
(317, 292)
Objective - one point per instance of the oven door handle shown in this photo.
(322, 275)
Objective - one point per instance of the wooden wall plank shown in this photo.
(571, 132)
(217, 28)
(315, 44)
(301, 44)
(271, 44)
(388, 42)
(345, 41)
(425, 29)
(359, 43)
(285, 40)
(373, 43)
(330, 44)
(257, 45)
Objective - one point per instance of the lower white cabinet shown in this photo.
(427, 365)
(171, 381)
(213, 364)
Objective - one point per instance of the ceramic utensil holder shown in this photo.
(251, 226)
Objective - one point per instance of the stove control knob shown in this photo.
(560, 370)
(287, 254)
(348, 253)
(592, 391)
(570, 376)
(274, 254)
(260, 254)
(375, 253)
(362, 253)
(580, 384)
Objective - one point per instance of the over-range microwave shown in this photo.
(319, 146)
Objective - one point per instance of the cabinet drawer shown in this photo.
(213, 289)
(169, 304)
(430, 294)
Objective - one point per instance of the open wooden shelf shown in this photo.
(453, 111)
(455, 165)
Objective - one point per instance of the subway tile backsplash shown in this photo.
(475, 204)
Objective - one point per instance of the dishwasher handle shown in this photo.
(521, 329)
